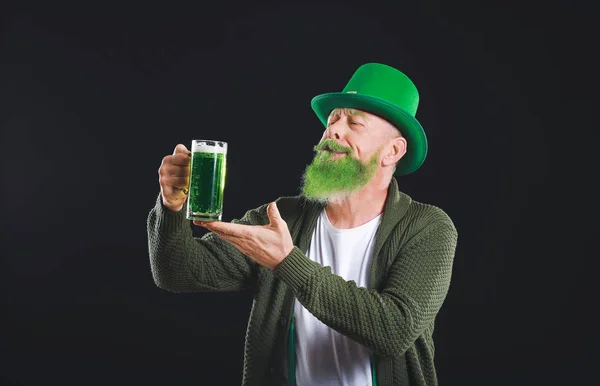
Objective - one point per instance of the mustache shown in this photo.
(330, 144)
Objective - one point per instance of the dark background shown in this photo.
(93, 96)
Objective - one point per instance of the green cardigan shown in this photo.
(394, 317)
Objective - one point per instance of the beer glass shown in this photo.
(207, 180)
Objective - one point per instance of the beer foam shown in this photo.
(204, 148)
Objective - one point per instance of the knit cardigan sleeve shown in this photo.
(388, 321)
(181, 262)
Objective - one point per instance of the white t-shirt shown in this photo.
(323, 355)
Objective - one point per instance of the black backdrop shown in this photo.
(93, 96)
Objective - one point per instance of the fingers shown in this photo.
(178, 159)
(174, 173)
(178, 165)
(174, 170)
(174, 182)
(273, 211)
(228, 229)
(235, 240)
(209, 225)
(180, 149)
(274, 215)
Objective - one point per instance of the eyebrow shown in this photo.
(347, 111)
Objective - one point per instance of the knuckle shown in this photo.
(180, 160)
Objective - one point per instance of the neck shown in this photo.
(360, 207)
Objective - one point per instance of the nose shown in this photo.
(333, 131)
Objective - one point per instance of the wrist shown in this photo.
(173, 207)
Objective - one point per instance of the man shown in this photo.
(347, 277)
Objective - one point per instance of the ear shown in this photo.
(395, 149)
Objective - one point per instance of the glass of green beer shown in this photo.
(207, 180)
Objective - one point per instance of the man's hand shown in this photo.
(268, 245)
(174, 178)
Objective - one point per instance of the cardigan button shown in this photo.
(282, 321)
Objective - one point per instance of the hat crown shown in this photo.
(387, 83)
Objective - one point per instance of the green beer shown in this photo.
(207, 180)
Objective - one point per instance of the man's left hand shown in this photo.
(268, 244)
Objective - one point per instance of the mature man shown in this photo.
(347, 277)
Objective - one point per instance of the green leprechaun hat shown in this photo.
(388, 93)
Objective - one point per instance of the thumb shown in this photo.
(274, 215)
(180, 148)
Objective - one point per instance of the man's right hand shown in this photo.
(174, 178)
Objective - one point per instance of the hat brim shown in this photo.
(408, 125)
